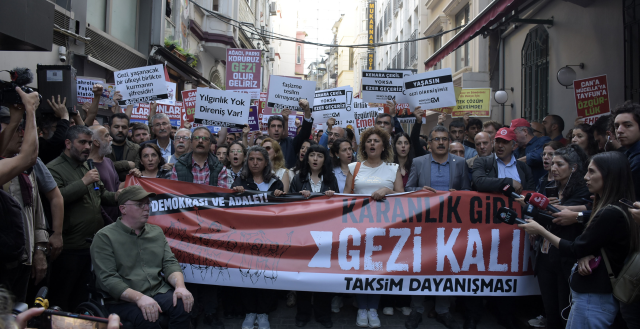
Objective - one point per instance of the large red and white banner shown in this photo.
(414, 243)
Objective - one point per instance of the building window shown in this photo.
(298, 54)
(462, 53)
(535, 74)
(97, 14)
(351, 58)
(437, 44)
(124, 16)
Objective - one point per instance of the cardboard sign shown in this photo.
(430, 90)
(243, 69)
(449, 109)
(171, 92)
(189, 105)
(174, 112)
(381, 86)
(285, 92)
(364, 118)
(141, 84)
(221, 108)
(140, 113)
(84, 87)
(592, 98)
(291, 125)
(475, 101)
(331, 103)
(253, 118)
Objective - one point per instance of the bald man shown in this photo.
(456, 148)
(100, 148)
(484, 147)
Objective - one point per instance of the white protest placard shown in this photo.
(141, 84)
(331, 103)
(221, 108)
(84, 87)
(364, 117)
(171, 93)
(285, 92)
(430, 90)
(380, 86)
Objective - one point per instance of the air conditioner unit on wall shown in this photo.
(271, 54)
(273, 10)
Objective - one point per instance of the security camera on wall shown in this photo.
(62, 52)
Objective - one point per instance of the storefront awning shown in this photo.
(181, 67)
(492, 14)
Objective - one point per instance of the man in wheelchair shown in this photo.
(128, 257)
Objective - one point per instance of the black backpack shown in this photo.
(12, 238)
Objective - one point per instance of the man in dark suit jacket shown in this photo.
(421, 175)
(493, 172)
(438, 171)
(490, 174)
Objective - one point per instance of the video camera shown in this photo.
(20, 77)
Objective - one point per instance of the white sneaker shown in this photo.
(374, 321)
(387, 311)
(362, 319)
(538, 322)
(336, 304)
(249, 321)
(263, 321)
(406, 311)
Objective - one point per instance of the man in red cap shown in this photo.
(529, 147)
(493, 172)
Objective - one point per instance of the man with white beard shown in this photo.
(100, 148)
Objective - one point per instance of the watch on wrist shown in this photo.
(580, 218)
(45, 250)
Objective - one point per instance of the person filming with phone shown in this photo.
(128, 259)
(609, 237)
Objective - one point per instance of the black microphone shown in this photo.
(90, 163)
(510, 192)
(539, 216)
(41, 298)
(508, 216)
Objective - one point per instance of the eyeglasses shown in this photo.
(181, 138)
(200, 138)
(440, 139)
(383, 123)
(141, 205)
(163, 124)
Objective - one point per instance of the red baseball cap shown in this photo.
(506, 134)
(515, 123)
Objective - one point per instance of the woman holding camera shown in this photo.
(610, 230)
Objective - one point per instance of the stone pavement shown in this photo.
(284, 318)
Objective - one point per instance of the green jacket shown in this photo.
(130, 153)
(184, 165)
(123, 259)
(82, 212)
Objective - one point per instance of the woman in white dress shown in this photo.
(277, 161)
(377, 176)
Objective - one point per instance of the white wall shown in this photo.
(29, 59)
(592, 35)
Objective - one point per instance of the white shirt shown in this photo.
(280, 172)
(315, 188)
(165, 152)
(370, 179)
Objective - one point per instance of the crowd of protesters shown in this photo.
(63, 181)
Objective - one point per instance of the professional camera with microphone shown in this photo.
(20, 77)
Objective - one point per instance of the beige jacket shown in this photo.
(35, 224)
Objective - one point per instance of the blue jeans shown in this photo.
(592, 311)
(368, 301)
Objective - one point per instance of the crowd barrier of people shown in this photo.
(63, 186)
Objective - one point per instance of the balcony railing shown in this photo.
(413, 49)
(397, 4)
(399, 59)
(394, 62)
(407, 50)
(386, 17)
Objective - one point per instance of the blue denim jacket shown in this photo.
(533, 151)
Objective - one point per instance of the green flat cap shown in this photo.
(134, 192)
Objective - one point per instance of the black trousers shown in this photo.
(16, 280)
(130, 312)
(631, 314)
(504, 305)
(70, 274)
(259, 301)
(205, 296)
(321, 306)
(395, 301)
(553, 279)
